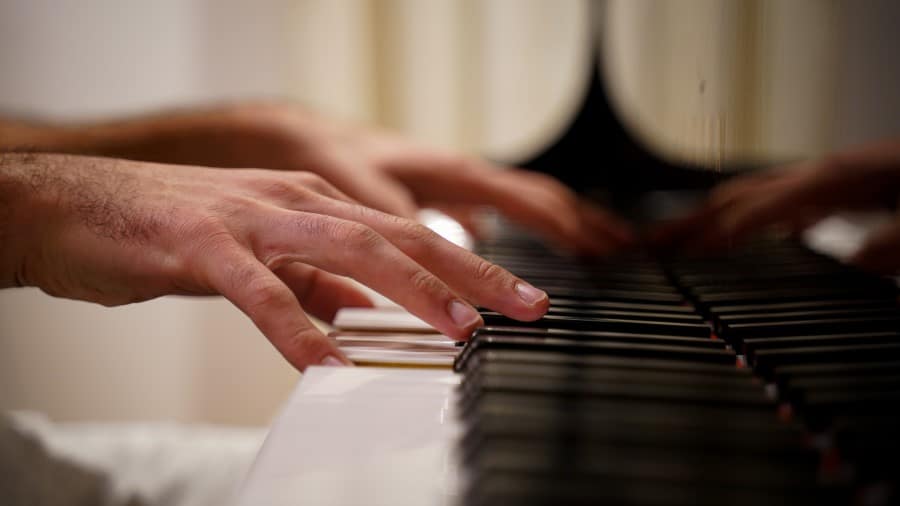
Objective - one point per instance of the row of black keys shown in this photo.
(632, 391)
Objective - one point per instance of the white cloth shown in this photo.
(146, 464)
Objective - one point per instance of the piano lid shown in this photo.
(682, 91)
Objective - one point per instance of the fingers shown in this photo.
(881, 252)
(353, 174)
(270, 304)
(770, 202)
(467, 216)
(792, 197)
(287, 189)
(322, 294)
(616, 234)
(352, 249)
(465, 273)
(743, 207)
(382, 194)
(532, 199)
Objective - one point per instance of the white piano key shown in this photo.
(337, 443)
(404, 349)
(376, 356)
(379, 319)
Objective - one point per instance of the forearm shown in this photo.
(238, 135)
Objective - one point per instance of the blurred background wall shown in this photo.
(697, 79)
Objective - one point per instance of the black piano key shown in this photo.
(611, 467)
(870, 443)
(574, 304)
(556, 283)
(623, 385)
(554, 372)
(750, 346)
(790, 328)
(669, 393)
(799, 388)
(580, 346)
(626, 314)
(785, 375)
(690, 432)
(735, 419)
(638, 296)
(819, 408)
(506, 356)
(634, 325)
(505, 488)
(784, 295)
(608, 460)
(765, 362)
(817, 314)
(602, 336)
(540, 270)
(764, 308)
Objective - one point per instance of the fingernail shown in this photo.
(333, 361)
(529, 294)
(463, 315)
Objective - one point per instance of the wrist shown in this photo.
(247, 134)
(19, 176)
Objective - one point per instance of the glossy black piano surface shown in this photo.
(714, 381)
(766, 375)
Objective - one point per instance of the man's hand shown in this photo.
(273, 243)
(378, 169)
(796, 197)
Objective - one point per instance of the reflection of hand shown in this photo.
(378, 169)
(796, 197)
(116, 232)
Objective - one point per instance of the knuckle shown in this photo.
(279, 187)
(418, 240)
(413, 232)
(314, 182)
(260, 293)
(423, 281)
(355, 235)
(206, 236)
(486, 271)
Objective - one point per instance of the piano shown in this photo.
(768, 374)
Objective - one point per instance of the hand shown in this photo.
(396, 175)
(795, 197)
(116, 232)
(379, 169)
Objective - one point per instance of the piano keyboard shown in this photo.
(770, 375)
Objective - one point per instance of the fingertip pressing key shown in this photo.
(529, 294)
(463, 315)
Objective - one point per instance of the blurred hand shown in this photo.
(795, 197)
(378, 169)
(116, 232)
(396, 175)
